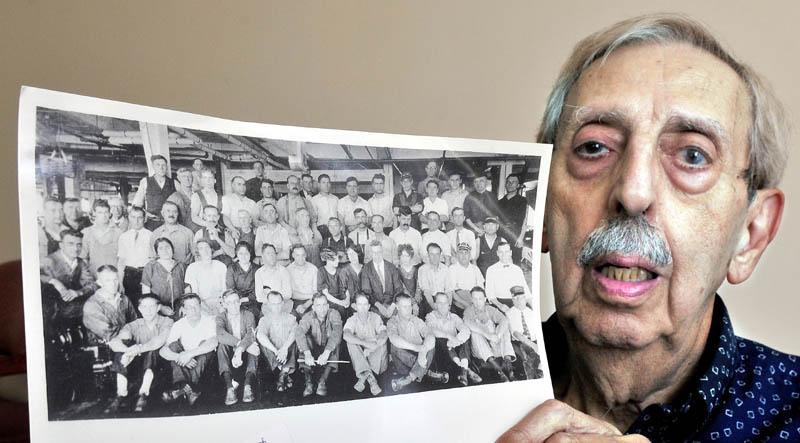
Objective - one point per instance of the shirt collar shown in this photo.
(697, 401)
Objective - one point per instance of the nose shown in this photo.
(634, 191)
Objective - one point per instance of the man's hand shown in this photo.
(191, 363)
(166, 311)
(555, 421)
(128, 356)
(62, 290)
(281, 355)
(236, 361)
(184, 358)
(69, 295)
(323, 358)
(309, 359)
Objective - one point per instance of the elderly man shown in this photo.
(663, 183)
(349, 203)
(153, 191)
(289, 204)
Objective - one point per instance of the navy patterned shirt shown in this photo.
(744, 391)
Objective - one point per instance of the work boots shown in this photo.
(439, 377)
(309, 383)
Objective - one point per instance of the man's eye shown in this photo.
(694, 158)
(591, 149)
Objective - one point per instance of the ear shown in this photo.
(763, 219)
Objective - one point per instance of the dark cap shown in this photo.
(406, 175)
(517, 290)
(490, 220)
(464, 246)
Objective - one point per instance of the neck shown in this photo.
(353, 197)
(598, 378)
(185, 189)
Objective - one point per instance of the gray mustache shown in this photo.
(626, 235)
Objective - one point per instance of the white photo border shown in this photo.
(478, 413)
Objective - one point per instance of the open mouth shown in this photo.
(626, 274)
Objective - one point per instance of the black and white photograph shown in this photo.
(187, 270)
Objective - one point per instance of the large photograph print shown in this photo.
(284, 283)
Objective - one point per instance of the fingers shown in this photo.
(553, 417)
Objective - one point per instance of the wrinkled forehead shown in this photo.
(661, 85)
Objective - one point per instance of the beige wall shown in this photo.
(453, 69)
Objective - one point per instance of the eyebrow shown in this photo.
(583, 115)
(680, 122)
(676, 122)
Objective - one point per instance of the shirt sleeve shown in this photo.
(174, 332)
(88, 284)
(300, 333)
(335, 337)
(96, 322)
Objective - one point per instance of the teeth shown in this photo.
(634, 274)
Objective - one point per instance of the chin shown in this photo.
(616, 330)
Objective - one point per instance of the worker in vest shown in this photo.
(153, 192)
